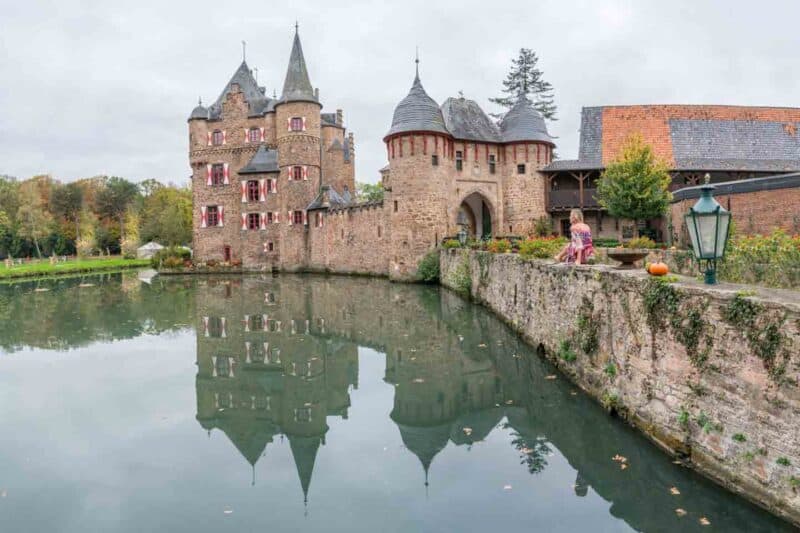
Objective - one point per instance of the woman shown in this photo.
(580, 248)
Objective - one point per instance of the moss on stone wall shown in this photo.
(763, 332)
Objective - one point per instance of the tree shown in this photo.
(369, 192)
(130, 243)
(113, 200)
(66, 201)
(167, 216)
(149, 186)
(635, 185)
(33, 218)
(525, 78)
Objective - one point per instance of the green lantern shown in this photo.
(709, 225)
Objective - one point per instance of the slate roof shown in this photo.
(199, 112)
(297, 85)
(768, 183)
(699, 138)
(253, 94)
(328, 197)
(524, 123)
(264, 160)
(466, 120)
(328, 119)
(417, 112)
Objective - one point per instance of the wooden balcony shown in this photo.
(564, 199)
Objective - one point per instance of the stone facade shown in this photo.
(706, 373)
(461, 170)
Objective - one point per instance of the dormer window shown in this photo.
(254, 135)
(296, 124)
(459, 160)
(216, 138)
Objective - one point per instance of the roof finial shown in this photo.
(199, 100)
(296, 27)
(416, 60)
(253, 482)
(244, 51)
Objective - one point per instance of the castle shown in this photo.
(273, 178)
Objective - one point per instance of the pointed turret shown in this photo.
(524, 123)
(297, 85)
(304, 451)
(243, 78)
(417, 112)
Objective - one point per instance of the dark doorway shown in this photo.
(226, 254)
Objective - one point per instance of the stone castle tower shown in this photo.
(258, 162)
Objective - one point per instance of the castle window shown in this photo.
(297, 217)
(270, 246)
(521, 168)
(256, 322)
(296, 124)
(297, 173)
(216, 138)
(492, 164)
(217, 174)
(379, 232)
(395, 206)
(459, 160)
(255, 135)
(270, 218)
(435, 160)
(253, 221)
(252, 191)
(212, 216)
(215, 326)
(318, 220)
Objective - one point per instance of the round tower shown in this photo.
(418, 146)
(298, 131)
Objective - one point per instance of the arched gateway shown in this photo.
(475, 216)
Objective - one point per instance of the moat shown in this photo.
(309, 403)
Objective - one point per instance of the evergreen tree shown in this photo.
(525, 78)
(635, 185)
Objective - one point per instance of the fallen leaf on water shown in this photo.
(418, 380)
(623, 466)
(674, 491)
(481, 345)
(551, 376)
(460, 338)
(677, 462)
(619, 458)
(704, 521)
(506, 487)
(574, 393)
(680, 512)
(467, 431)
(509, 402)
(41, 290)
(306, 404)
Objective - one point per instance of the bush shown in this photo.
(605, 243)
(428, 269)
(543, 226)
(641, 242)
(451, 243)
(500, 246)
(772, 260)
(541, 248)
(172, 257)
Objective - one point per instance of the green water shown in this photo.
(309, 404)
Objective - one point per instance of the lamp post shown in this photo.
(709, 226)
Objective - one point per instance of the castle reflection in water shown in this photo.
(278, 358)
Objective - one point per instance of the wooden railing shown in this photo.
(571, 198)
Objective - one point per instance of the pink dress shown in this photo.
(581, 243)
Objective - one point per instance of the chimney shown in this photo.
(339, 117)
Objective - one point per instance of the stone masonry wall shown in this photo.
(708, 374)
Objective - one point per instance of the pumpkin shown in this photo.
(658, 269)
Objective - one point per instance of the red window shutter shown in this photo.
(321, 220)
(305, 173)
(221, 222)
(224, 137)
(305, 218)
(262, 190)
(277, 217)
(203, 216)
(223, 334)
(304, 123)
(246, 136)
(274, 184)
(289, 124)
(291, 219)
(208, 175)
(289, 172)
(244, 192)
(208, 138)
(244, 221)
(225, 175)
(263, 221)
(262, 134)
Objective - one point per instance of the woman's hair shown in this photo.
(576, 214)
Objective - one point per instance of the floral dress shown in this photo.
(581, 243)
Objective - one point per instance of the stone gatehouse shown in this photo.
(273, 178)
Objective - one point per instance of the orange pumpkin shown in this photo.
(658, 269)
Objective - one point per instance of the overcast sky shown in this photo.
(98, 87)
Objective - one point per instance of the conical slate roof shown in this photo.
(253, 94)
(297, 86)
(304, 452)
(417, 112)
(425, 442)
(199, 112)
(524, 123)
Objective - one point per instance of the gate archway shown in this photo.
(475, 216)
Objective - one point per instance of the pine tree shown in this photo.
(635, 185)
(525, 78)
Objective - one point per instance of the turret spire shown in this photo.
(416, 61)
(297, 86)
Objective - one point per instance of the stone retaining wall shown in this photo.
(708, 374)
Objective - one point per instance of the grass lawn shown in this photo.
(44, 268)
